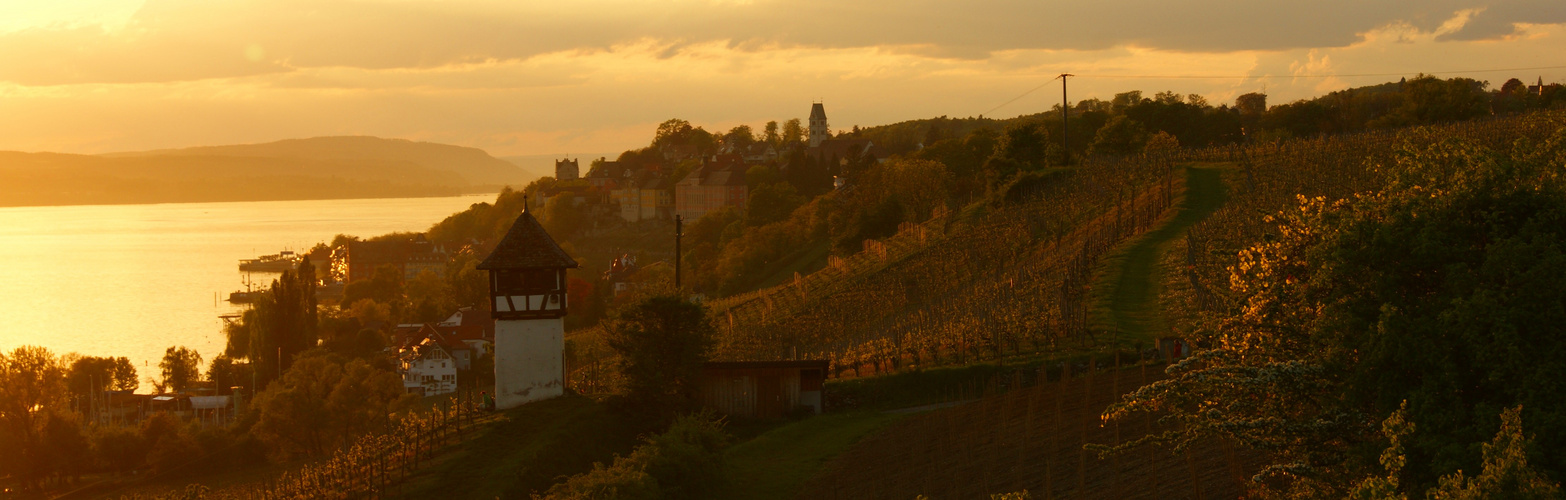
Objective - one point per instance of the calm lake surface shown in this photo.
(132, 280)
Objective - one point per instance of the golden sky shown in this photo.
(596, 76)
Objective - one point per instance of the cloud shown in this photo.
(175, 40)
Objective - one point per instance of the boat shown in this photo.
(287, 260)
(245, 297)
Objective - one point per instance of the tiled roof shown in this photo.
(527, 246)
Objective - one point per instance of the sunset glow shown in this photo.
(96, 76)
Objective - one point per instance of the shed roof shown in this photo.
(527, 246)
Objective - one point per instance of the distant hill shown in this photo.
(475, 166)
(316, 168)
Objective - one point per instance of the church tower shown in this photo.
(818, 125)
(527, 290)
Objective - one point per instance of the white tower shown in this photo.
(527, 289)
(818, 125)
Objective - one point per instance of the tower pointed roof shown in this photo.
(817, 111)
(527, 246)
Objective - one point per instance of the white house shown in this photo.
(429, 368)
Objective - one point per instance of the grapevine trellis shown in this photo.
(374, 466)
(944, 290)
(1027, 432)
(1016, 281)
(1274, 177)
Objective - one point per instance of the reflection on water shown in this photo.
(132, 280)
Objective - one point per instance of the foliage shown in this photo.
(685, 461)
(1506, 472)
(321, 403)
(31, 382)
(662, 342)
(1120, 136)
(88, 374)
(1343, 312)
(283, 322)
(180, 367)
(69, 451)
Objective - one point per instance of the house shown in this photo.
(718, 183)
(679, 152)
(760, 153)
(763, 389)
(651, 197)
(429, 367)
(838, 153)
(358, 260)
(606, 175)
(470, 326)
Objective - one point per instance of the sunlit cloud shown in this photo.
(525, 77)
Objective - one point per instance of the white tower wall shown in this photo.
(528, 364)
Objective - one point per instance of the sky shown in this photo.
(593, 76)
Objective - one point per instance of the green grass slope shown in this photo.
(1127, 301)
(527, 450)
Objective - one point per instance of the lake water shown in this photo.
(132, 280)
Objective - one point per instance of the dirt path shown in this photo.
(1133, 310)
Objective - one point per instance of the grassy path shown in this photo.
(1130, 304)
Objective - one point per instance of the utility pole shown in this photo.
(677, 233)
(1065, 111)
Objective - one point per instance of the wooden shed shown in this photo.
(763, 389)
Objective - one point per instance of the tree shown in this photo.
(770, 203)
(89, 375)
(1252, 107)
(320, 404)
(1161, 142)
(770, 134)
(662, 342)
(1427, 99)
(739, 137)
(1119, 136)
(285, 320)
(1506, 472)
(685, 461)
(1442, 290)
(181, 368)
(793, 131)
(223, 372)
(561, 218)
(31, 384)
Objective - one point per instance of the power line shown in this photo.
(1245, 77)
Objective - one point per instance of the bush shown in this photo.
(683, 462)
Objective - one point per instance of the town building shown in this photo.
(606, 175)
(429, 367)
(651, 197)
(358, 260)
(720, 182)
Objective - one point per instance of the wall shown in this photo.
(528, 360)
